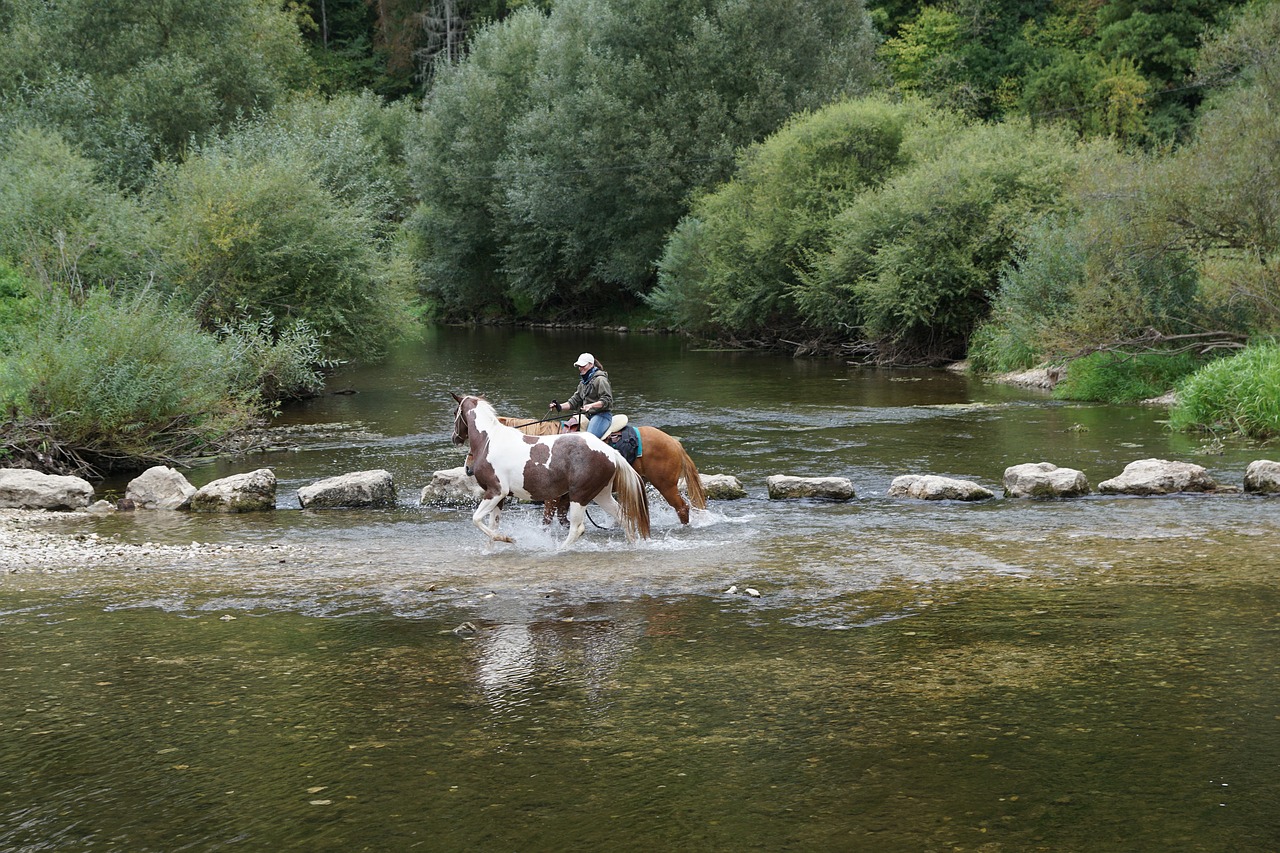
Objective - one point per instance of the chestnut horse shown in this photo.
(542, 468)
(663, 462)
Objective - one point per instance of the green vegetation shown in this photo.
(1117, 378)
(297, 184)
(111, 381)
(1240, 394)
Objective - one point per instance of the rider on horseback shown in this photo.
(594, 395)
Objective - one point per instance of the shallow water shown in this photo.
(1090, 674)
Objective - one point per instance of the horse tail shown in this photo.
(632, 498)
(692, 480)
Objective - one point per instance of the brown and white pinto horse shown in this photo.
(542, 468)
(663, 463)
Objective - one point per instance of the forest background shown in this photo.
(204, 207)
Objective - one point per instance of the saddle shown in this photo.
(625, 440)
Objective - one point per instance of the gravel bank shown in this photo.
(27, 545)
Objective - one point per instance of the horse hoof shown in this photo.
(504, 539)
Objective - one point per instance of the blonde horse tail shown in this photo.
(632, 498)
(692, 481)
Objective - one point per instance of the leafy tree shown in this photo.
(735, 263)
(135, 82)
(59, 225)
(118, 382)
(258, 231)
(593, 130)
(915, 263)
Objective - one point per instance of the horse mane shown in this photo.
(551, 427)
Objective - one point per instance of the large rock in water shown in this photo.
(1158, 477)
(782, 486)
(1262, 477)
(722, 487)
(930, 487)
(250, 492)
(1044, 480)
(159, 487)
(452, 486)
(24, 489)
(363, 488)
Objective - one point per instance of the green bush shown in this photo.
(17, 308)
(1240, 394)
(59, 224)
(1111, 377)
(120, 383)
(282, 364)
(254, 230)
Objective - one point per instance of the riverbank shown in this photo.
(28, 545)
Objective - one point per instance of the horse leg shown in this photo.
(548, 512)
(672, 495)
(609, 504)
(577, 514)
(491, 507)
(562, 509)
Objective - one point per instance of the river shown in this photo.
(1089, 674)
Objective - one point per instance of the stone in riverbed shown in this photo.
(1159, 477)
(1044, 480)
(159, 487)
(360, 489)
(783, 486)
(250, 492)
(452, 486)
(930, 487)
(1262, 477)
(722, 487)
(21, 488)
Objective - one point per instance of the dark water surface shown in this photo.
(1095, 674)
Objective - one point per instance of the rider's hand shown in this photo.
(555, 404)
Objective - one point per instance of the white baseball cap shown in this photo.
(585, 359)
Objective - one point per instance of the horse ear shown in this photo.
(456, 397)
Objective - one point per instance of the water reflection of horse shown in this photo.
(579, 465)
(663, 463)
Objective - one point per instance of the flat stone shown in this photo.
(359, 489)
(21, 488)
(722, 487)
(452, 486)
(930, 487)
(783, 487)
(251, 492)
(1159, 477)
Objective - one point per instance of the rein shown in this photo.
(539, 421)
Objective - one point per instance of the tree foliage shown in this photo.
(132, 83)
(591, 126)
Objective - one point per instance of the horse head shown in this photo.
(461, 433)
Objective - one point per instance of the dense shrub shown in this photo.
(253, 229)
(59, 224)
(133, 83)
(1240, 394)
(120, 382)
(1112, 377)
(281, 364)
(736, 262)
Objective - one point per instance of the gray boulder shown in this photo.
(252, 492)
(360, 489)
(21, 488)
(722, 487)
(1044, 480)
(159, 487)
(452, 486)
(1262, 477)
(1158, 477)
(930, 487)
(782, 487)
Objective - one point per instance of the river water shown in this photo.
(1091, 674)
